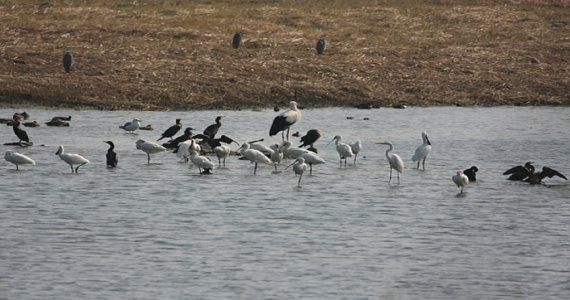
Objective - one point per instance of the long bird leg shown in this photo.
(418, 165)
(224, 162)
(345, 162)
(354, 162)
(282, 136)
(148, 159)
(288, 128)
(71, 168)
(390, 175)
(17, 167)
(423, 164)
(310, 169)
(78, 167)
(398, 177)
(341, 162)
(299, 182)
(255, 169)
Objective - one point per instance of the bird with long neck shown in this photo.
(422, 151)
(285, 120)
(394, 160)
(111, 155)
(344, 150)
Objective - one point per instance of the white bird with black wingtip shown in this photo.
(285, 120)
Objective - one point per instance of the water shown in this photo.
(163, 231)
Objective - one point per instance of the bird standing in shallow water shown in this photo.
(222, 152)
(532, 177)
(394, 160)
(422, 151)
(310, 138)
(18, 159)
(212, 130)
(461, 180)
(131, 126)
(299, 166)
(356, 147)
(254, 156)
(149, 148)
(311, 159)
(285, 120)
(201, 162)
(344, 150)
(111, 155)
(471, 173)
(67, 61)
(71, 159)
(171, 131)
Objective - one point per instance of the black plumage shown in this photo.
(213, 143)
(236, 41)
(184, 137)
(321, 44)
(470, 173)
(533, 177)
(170, 132)
(212, 130)
(67, 61)
(20, 133)
(520, 173)
(111, 155)
(310, 138)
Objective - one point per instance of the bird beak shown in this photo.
(290, 165)
(330, 142)
(428, 142)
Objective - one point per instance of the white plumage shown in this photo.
(131, 126)
(356, 147)
(299, 166)
(201, 162)
(394, 160)
(254, 156)
(71, 159)
(461, 180)
(285, 120)
(185, 148)
(277, 155)
(311, 159)
(18, 158)
(291, 152)
(261, 148)
(344, 150)
(149, 148)
(422, 151)
(222, 152)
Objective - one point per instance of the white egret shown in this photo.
(149, 148)
(394, 160)
(422, 151)
(18, 158)
(311, 159)
(356, 147)
(344, 150)
(71, 159)
(222, 152)
(291, 152)
(285, 120)
(254, 156)
(299, 166)
(201, 162)
(461, 180)
(131, 126)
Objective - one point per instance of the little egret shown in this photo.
(471, 173)
(254, 156)
(131, 126)
(71, 159)
(461, 180)
(111, 155)
(312, 159)
(533, 177)
(222, 152)
(18, 159)
(394, 160)
(422, 151)
(285, 120)
(344, 150)
(299, 166)
(171, 131)
(201, 162)
(149, 148)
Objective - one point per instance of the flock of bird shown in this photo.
(192, 148)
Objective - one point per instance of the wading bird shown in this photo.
(344, 150)
(20, 133)
(533, 177)
(310, 138)
(111, 155)
(171, 131)
(311, 159)
(149, 148)
(422, 151)
(461, 180)
(299, 166)
(212, 130)
(71, 159)
(201, 162)
(471, 173)
(131, 126)
(394, 160)
(356, 147)
(18, 159)
(321, 44)
(291, 152)
(184, 149)
(285, 120)
(67, 61)
(277, 155)
(236, 40)
(254, 156)
(222, 152)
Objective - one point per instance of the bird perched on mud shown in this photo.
(171, 131)
(212, 130)
(111, 155)
(212, 142)
(528, 174)
(310, 138)
(321, 44)
(236, 41)
(67, 61)
(471, 173)
(20, 133)
(285, 120)
(184, 137)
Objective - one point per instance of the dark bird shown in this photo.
(20, 133)
(470, 173)
(212, 130)
(170, 132)
(520, 173)
(533, 177)
(236, 41)
(184, 137)
(60, 118)
(20, 116)
(32, 124)
(57, 123)
(111, 155)
(310, 138)
(67, 61)
(321, 44)
(284, 120)
(213, 143)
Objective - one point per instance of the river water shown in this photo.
(162, 231)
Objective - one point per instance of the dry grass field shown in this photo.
(160, 55)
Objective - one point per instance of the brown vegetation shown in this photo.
(177, 54)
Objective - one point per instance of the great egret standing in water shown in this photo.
(394, 160)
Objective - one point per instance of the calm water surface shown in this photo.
(161, 231)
